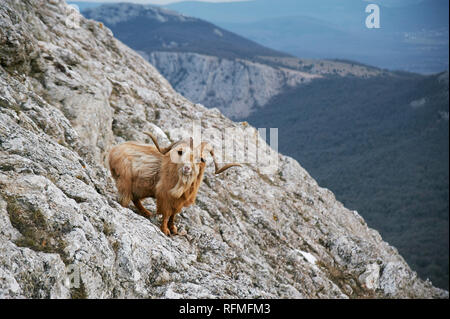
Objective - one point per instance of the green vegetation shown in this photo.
(362, 139)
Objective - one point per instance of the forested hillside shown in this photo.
(381, 144)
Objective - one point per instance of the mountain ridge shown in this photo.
(181, 50)
(408, 36)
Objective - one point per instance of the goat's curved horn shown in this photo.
(224, 168)
(155, 141)
(163, 150)
(216, 166)
(167, 149)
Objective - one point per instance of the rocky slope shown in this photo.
(68, 92)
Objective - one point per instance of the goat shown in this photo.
(171, 175)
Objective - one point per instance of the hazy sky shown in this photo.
(156, 1)
(388, 3)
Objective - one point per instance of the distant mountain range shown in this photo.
(377, 138)
(413, 34)
(211, 65)
(174, 32)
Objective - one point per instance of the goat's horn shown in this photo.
(163, 150)
(167, 149)
(155, 141)
(216, 166)
(224, 168)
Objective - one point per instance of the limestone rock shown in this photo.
(234, 85)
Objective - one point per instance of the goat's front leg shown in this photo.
(141, 208)
(172, 227)
(164, 227)
(166, 212)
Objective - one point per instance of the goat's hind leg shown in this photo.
(124, 200)
(142, 210)
(124, 192)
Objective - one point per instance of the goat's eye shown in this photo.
(180, 153)
(202, 159)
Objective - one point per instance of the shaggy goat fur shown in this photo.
(172, 175)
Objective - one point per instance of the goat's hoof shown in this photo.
(166, 231)
(174, 230)
(182, 233)
(146, 214)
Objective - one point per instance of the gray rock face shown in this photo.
(68, 93)
(237, 87)
(122, 12)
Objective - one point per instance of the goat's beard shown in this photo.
(184, 182)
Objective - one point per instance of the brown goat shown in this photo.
(172, 175)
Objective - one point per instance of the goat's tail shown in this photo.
(120, 168)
